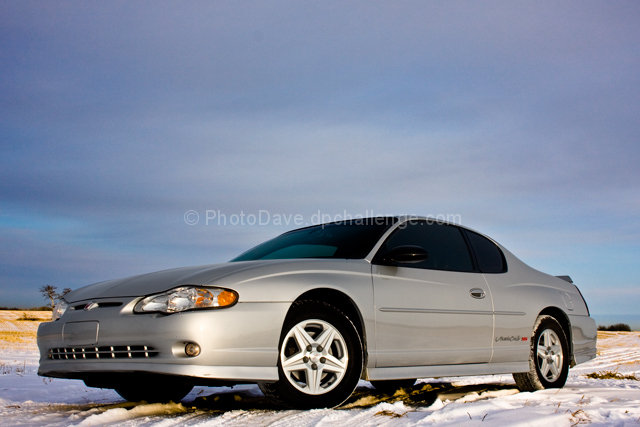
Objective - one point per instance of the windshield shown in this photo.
(352, 239)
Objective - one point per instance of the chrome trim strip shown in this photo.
(433, 311)
(95, 352)
(437, 311)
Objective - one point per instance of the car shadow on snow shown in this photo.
(419, 395)
(250, 399)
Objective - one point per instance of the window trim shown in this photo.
(505, 266)
(377, 258)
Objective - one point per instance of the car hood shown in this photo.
(160, 281)
(212, 274)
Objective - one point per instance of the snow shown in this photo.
(27, 400)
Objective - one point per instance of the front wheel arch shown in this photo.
(337, 375)
(342, 302)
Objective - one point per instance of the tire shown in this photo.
(388, 386)
(548, 359)
(154, 389)
(320, 357)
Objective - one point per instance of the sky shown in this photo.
(139, 136)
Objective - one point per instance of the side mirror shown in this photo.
(407, 254)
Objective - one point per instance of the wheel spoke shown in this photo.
(541, 352)
(332, 364)
(294, 363)
(553, 366)
(544, 369)
(303, 339)
(326, 338)
(314, 377)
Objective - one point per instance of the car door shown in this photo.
(437, 311)
(511, 301)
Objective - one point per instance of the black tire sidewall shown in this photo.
(320, 311)
(552, 324)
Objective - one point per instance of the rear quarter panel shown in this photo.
(519, 296)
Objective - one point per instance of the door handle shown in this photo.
(477, 293)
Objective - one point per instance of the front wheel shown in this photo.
(549, 357)
(321, 357)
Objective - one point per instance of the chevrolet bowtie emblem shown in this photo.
(90, 306)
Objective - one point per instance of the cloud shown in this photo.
(116, 118)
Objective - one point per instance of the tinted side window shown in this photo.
(445, 245)
(489, 256)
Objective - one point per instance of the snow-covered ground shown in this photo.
(26, 399)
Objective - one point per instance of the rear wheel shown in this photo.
(548, 359)
(321, 357)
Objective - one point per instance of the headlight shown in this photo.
(187, 298)
(59, 310)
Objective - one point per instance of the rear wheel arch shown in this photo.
(548, 356)
(564, 321)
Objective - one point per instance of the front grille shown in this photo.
(103, 352)
(94, 305)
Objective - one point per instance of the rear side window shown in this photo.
(444, 243)
(489, 256)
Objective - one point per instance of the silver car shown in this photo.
(309, 313)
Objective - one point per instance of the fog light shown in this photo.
(192, 349)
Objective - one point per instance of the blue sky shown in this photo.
(116, 118)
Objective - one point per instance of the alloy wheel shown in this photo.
(549, 355)
(314, 357)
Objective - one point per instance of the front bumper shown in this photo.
(239, 343)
